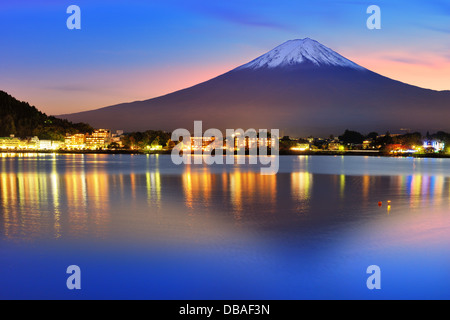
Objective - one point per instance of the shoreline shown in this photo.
(282, 153)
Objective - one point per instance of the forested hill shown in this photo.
(23, 120)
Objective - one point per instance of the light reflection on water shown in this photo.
(326, 206)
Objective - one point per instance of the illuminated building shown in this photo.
(10, 143)
(334, 146)
(434, 144)
(252, 142)
(367, 144)
(76, 141)
(45, 145)
(99, 139)
(205, 142)
(117, 138)
(31, 144)
(301, 147)
(399, 148)
(48, 145)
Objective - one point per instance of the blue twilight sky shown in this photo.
(134, 50)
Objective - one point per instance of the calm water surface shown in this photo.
(141, 227)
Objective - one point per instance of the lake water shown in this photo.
(140, 227)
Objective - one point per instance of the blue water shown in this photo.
(140, 227)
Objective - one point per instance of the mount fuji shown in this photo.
(301, 87)
(296, 52)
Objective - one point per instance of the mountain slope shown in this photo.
(300, 87)
(23, 120)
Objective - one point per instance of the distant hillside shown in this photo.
(23, 120)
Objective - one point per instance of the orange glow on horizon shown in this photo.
(426, 70)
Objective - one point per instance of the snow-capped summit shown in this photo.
(300, 51)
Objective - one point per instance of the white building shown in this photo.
(435, 144)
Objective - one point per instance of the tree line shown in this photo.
(22, 120)
(407, 139)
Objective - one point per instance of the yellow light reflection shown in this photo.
(32, 199)
(153, 185)
(301, 186)
(342, 186)
(241, 188)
